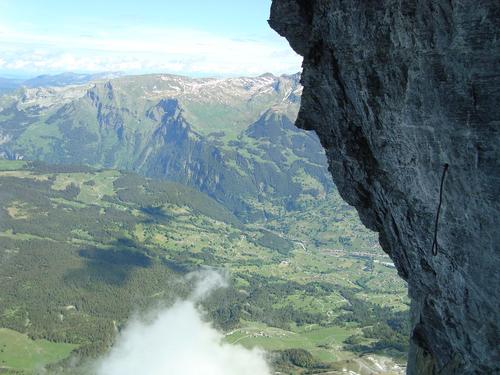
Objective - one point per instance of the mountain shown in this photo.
(233, 139)
(69, 78)
(9, 84)
(53, 80)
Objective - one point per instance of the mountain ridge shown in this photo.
(53, 80)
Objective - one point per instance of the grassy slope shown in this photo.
(18, 351)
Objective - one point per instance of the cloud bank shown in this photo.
(177, 341)
(183, 51)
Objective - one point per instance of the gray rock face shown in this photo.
(396, 90)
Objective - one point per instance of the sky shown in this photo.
(191, 37)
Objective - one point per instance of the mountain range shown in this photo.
(233, 139)
(57, 80)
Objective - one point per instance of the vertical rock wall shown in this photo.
(396, 90)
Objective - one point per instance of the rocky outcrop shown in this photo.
(396, 90)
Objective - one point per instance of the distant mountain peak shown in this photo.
(270, 75)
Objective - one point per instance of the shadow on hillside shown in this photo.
(155, 215)
(111, 265)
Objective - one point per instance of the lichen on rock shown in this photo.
(396, 89)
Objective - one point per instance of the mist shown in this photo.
(179, 341)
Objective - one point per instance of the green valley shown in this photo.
(82, 249)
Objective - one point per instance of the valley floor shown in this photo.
(79, 247)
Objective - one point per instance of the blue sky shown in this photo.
(193, 37)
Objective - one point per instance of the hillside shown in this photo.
(83, 248)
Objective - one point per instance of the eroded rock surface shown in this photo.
(396, 90)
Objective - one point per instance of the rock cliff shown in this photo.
(396, 90)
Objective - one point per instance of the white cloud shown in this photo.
(206, 281)
(177, 341)
(147, 50)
